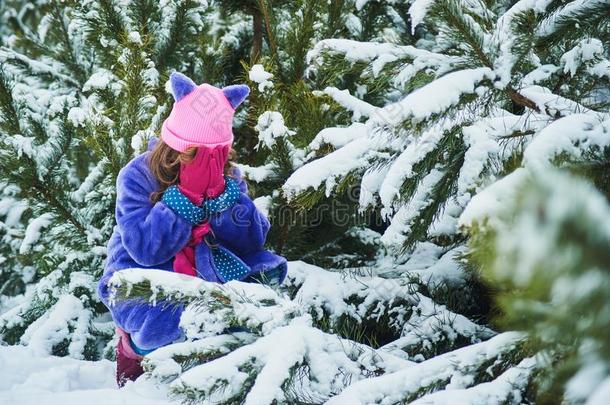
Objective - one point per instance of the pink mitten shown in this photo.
(184, 261)
(203, 176)
(216, 165)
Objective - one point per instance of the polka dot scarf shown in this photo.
(228, 266)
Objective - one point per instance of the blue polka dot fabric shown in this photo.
(227, 199)
(228, 266)
(180, 204)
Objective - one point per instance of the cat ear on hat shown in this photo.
(236, 94)
(181, 85)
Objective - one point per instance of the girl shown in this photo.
(182, 207)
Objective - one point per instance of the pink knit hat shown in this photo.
(202, 115)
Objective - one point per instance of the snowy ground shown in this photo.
(26, 378)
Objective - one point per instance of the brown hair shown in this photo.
(164, 163)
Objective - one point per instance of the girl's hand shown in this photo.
(203, 176)
(218, 159)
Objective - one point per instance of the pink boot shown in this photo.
(128, 362)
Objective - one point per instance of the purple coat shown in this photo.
(149, 235)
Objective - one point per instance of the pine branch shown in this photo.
(268, 17)
(174, 46)
(9, 117)
(482, 361)
(463, 27)
(572, 20)
(72, 62)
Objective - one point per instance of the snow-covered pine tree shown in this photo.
(490, 87)
(385, 310)
(458, 110)
(81, 92)
(545, 244)
(287, 117)
(14, 215)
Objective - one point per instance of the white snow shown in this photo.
(573, 136)
(263, 204)
(99, 80)
(400, 226)
(338, 136)
(552, 104)
(485, 144)
(586, 50)
(550, 24)
(371, 182)
(358, 107)
(332, 363)
(12, 210)
(432, 98)
(492, 200)
(394, 387)
(135, 37)
(330, 167)
(418, 11)
(259, 75)
(33, 231)
(601, 394)
(257, 173)
(503, 35)
(271, 126)
(506, 389)
(28, 378)
(67, 319)
(539, 74)
(402, 167)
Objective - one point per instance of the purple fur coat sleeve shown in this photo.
(151, 233)
(147, 235)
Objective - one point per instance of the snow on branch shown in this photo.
(35, 66)
(253, 305)
(261, 372)
(420, 325)
(487, 204)
(152, 285)
(402, 166)
(400, 226)
(338, 137)
(68, 321)
(508, 388)
(572, 136)
(552, 104)
(377, 54)
(358, 107)
(354, 156)
(585, 52)
(33, 232)
(418, 11)
(455, 368)
(418, 106)
(484, 139)
(170, 361)
(257, 174)
(504, 35)
(433, 98)
(570, 11)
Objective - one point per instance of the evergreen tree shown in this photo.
(545, 244)
(458, 111)
(288, 116)
(425, 135)
(490, 87)
(81, 92)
